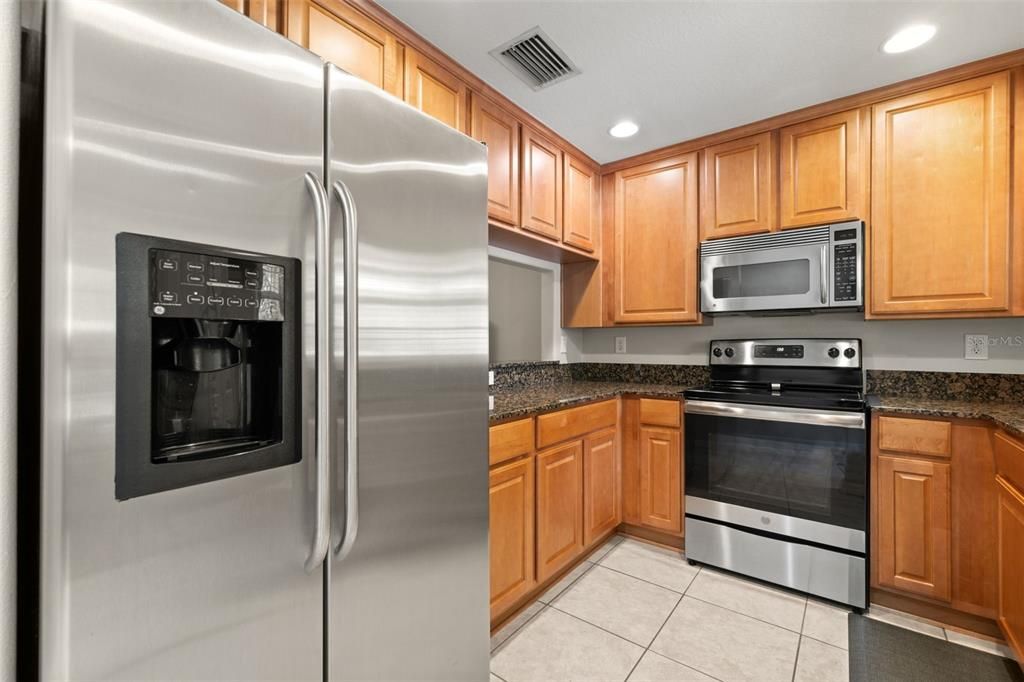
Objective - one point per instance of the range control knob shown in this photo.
(849, 352)
(833, 352)
(729, 352)
(717, 352)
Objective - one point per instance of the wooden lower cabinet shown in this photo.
(513, 572)
(1011, 565)
(559, 507)
(601, 486)
(661, 479)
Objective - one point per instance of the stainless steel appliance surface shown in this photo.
(776, 465)
(808, 269)
(262, 423)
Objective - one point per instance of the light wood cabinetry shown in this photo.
(499, 130)
(656, 239)
(940, 232)
(823, 170)
(652, 464)
(542, 185)
(914, 526)
(574, 422)
(510, 439)
(738, 181)
(601, 486)
(512, 542)
(435, 90)
(345, 36)
(1011, 565)
(580, 203)
(270, 13)
(559, 507)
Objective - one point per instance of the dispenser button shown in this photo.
(251, 303)
(168, 297)
(194, 267)
(251, 273)
(168, 264)
(236, 302)
(251, 284)
(215, 300)
(195, 279)
(195, 298)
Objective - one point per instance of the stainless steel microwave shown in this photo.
(812, 268)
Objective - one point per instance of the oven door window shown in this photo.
(805, 471)
(775, 278)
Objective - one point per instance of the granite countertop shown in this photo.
(1009, 416)
(532, 400)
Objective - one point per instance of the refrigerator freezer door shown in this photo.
(187, 121)
(410, 598)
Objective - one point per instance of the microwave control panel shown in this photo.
(846, 260)
(214, 286)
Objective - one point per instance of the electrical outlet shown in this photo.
(490, 378)
(490, 402)
(620, 344)
(976, 346)
(564, 347)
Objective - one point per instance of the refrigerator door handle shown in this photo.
(351, 271)
(322, 534)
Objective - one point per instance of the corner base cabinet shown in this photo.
(1010, 482)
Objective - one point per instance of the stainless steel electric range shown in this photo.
(776, 465)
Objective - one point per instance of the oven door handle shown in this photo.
(792, 415)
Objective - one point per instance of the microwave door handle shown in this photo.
(322, 519)
(351, 284)
(824, 275)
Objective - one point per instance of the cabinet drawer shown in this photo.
(1010, 459)
(511, 440)
(659, 412)
(555, 427)
(915, 436)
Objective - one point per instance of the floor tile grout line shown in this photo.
(821, 641)
(745, 615)
(630, 575)
(603, 629)
(512, 634)
(799, 642)
(648, 647)
(574, 581)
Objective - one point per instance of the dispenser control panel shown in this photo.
(210, 286)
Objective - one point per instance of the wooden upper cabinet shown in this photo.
(435, 90)
(580, 203)
(940, 215)
(656, 240)
(542, 185)
(499, 130)
(823, 172)
(1011, 565)
(913, 520)
(346, 37)
(266, 12)
(738, 179)
(559, 507)
(661, 479)
(513, 572)
(601, 487)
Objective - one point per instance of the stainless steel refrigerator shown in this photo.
(263, 397)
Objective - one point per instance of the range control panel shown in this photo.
(845, 265)
(210, 286)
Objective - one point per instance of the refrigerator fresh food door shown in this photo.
(407, 578)
(188, 122)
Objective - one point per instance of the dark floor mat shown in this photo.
(880, 652)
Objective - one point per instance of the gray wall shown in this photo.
(935, 345)
(517, 312)
(9, 109)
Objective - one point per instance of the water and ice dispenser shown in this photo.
(207, 364)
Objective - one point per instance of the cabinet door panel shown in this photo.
(348, 38)
(914, 526)
(559, 507)
(661, 479)
(601, 487)
(435, 90)
(656, 240)
(822, 170)
(739, 187)
(1011, 566)
(580, 221)
(542, 185)
(512, 533)
(499, 130)
(939, 186)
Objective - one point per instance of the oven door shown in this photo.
(787, 471)
(794, 277)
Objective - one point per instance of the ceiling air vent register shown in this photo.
(535, 59)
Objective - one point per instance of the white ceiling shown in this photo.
(684, 69)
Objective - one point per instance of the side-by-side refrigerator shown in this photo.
(262, 422)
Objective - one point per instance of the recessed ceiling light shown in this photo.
(623, 129)
(908, 38)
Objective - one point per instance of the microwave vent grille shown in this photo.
(777, 240)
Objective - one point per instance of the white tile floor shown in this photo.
(639, 612)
